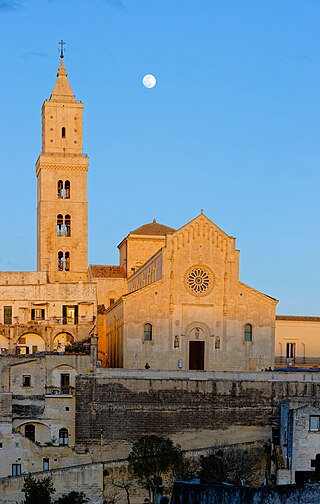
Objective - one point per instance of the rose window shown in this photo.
(199, 280)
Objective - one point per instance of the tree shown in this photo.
(112, 499)
(73, 498)
(38, 490)
(124, 482)
(151, 458)
(213, 465)
(236, 464)
(186, 469)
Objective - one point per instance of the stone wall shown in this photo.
(85, 478)
(195, 409)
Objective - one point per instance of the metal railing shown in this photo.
(59, 391)
(297, 361)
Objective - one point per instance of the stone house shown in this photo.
(37, 411)
(299, 441)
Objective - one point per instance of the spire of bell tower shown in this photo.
(62, 90)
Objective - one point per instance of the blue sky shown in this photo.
(232, 126)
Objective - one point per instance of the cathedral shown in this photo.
(175, 300)
(184, 306)
(94, 356)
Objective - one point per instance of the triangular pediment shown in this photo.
(201, 228)
(201, 220)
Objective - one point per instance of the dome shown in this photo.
(153, 228)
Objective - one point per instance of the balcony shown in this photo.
(59, 391)
(70, 320)
(297, 362)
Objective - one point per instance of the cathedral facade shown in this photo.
(184, 306)
(175, 300)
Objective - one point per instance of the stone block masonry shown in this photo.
(195, 409)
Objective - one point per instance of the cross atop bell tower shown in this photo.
(62, 50)
(61, 170)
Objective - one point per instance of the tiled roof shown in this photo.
(153, 228)
(298, 318)
(99, 271)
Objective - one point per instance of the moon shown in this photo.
(149, 81)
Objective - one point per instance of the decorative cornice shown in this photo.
(62, 167)
(297, 318)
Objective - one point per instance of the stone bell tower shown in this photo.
(61, 169)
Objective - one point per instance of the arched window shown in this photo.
(30, 343)
(248, 332)
(67, 188)
(61, 261)
(147, 332)
(67, 222)
(67, 257)
(63, 225)
(30, 432)
(63, 132)
(59, 225)
(60, 188)
(63, 189)
(63, 437)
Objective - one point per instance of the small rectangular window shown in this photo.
(65, 383)
(26, 380)
(16, 469)
(248, 332)
(70, 314)
(46, 464)
(314, 423)
(7, 315)
(37, 314)
(1, 446)
(291, 351)
(112, 300)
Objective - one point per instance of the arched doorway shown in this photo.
(197, 335)
(30, 343)
(63, 437)
(62, 341)
(4, 345)
(196, 355)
